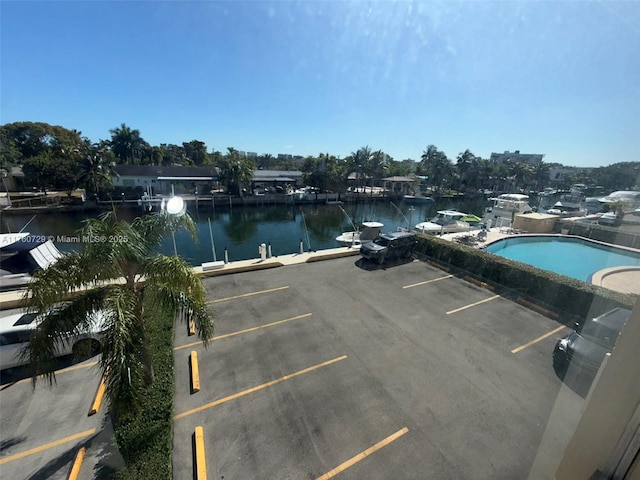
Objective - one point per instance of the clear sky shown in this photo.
(554, 77)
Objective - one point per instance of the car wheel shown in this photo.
(85, 349)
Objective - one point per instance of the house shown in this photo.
(160, 180)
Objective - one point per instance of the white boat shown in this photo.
(505, 207)
(566, 209)
(370, 230)
(21, 254)
(446, 221)
(416, 199)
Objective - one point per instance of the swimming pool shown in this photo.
(574, 257)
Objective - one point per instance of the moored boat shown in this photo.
(370, 230)
(446, 221)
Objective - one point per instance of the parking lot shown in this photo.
(340, 368)
(42, 429)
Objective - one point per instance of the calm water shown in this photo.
(242, 229)
(572, 257)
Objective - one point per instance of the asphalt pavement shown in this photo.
(346, 368)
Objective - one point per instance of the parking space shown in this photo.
(315, 369)
(43, 428)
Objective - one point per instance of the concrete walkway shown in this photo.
(14, 298)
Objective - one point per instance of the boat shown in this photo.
(446, 221)
(416, 199)
(567, 209)
(505, 207)
(370, 230)
(21, 254)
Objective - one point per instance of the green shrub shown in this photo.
(557, 292)
(145, 442)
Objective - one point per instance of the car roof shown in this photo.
(614, 319)
(392, 235)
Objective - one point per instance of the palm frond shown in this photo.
(122, 347)
(171, 284)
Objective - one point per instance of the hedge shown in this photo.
(145, 442)
(575, 299)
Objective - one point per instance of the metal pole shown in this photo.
(213, 246)
(226, 255)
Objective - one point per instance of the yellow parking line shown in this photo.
(472, 304)
(258, 387)
(362, 455)
(248, 294)
(539, 339)
(427, 281)
(247, 330)
(47, 446)
(58, 372)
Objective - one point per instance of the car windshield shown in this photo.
(382, 241)
(599, 334)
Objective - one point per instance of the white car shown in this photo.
(15, 333)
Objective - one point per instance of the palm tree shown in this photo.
(436, 165)
(127, 144)
(116, 273)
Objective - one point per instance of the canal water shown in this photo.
(240, 230)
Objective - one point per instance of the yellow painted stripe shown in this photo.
(248, 294)
(362, 455)
(539, 339)
(58, 372)
(473, 304)
(77, 463)
(258, 387)
(195, 373)
(247, 330)
(97, 399)
(427, 281)
(201, 463)
(47, 446)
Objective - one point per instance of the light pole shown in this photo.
(176, 207)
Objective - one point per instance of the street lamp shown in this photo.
(175, 206)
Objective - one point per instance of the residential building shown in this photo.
(532, 158)
(161, 180)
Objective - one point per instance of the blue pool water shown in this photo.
(573, 257)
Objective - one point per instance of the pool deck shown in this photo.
(620, 279)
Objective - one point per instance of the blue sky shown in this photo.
(552, 77)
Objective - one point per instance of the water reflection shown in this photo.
(241, 229)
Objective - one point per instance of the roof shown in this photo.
(399, 179)
(272, 175)
(165, 171)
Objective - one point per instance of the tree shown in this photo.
(95, 170)
(265, 161)
(151, 285)
(128, 146)
(467, 168)
(435, 164)
(235, 171)
(196, 152)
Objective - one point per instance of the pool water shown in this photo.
(572, 257)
